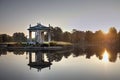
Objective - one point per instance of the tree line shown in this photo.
(16, 37)
(87, 37)
(76, 36)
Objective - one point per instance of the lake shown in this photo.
(91, 63)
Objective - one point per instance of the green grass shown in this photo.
(60, 43)
(45, 44)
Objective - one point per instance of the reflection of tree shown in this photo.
(3, 52)
(18, 52)
(67, 54)
(89, 52)
(113, 54)
(98, 51)
(55, 57)
(78, 51)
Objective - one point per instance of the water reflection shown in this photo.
(37, 58)
(105, 56)
(70, 64)
(39, 62)
(103, 53)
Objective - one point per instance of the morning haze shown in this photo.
(16, 15)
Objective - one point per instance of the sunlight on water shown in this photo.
(105, 56)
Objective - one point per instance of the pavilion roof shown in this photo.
(39, 27)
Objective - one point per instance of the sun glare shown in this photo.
(105, 56)
(105, 32)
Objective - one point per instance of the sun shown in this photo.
(105, 32)
(105, 56)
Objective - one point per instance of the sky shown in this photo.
(93, 15)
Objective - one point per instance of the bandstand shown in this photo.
(39, 30)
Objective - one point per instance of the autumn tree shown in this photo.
(66, 37)
(77, 36)
(89, 36)
(99, 37)
(5, 38)
(57, 34)
(118, 40)
(112, 35)
(19, 37)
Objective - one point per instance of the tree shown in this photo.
(89, 36)
(67, 36)
(5, 38)
(19, 37)
(99, 37)
(77, 36)
(0, 38)
(112, 35)
(57, 34)
(118, 40)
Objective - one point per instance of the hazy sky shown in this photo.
(16, 15)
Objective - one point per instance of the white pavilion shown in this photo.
(39, 30)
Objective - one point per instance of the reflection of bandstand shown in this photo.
(39, 62)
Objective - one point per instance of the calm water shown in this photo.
(92, 63)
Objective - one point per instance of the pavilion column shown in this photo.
(42, 37)
(49, 33)
(30, 57)
(39, 57)
(37, 36)
(30, 36)
(49, 36)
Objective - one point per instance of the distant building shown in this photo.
(39, 30)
